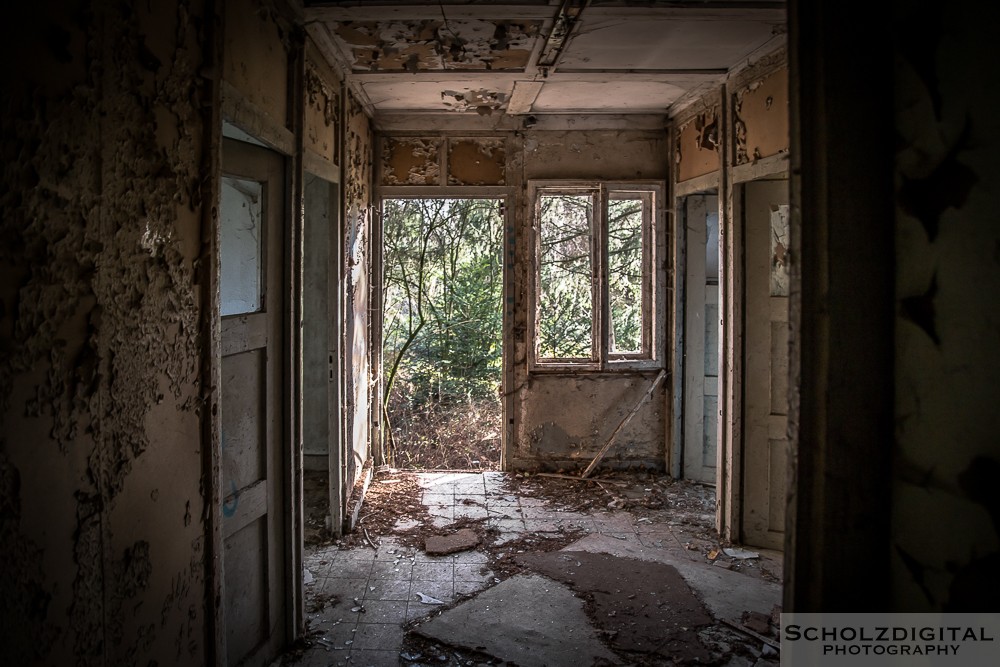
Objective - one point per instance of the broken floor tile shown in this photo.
(449, 544)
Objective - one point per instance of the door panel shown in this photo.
(251, 290)
(701, 338)
(765, 382)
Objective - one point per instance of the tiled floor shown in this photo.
(377, 589)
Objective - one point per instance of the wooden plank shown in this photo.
(607, 445)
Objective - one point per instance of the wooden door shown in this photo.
(701, 338)
(253, 464)
(765, 367)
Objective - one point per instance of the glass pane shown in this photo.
(242, 261)
(625, 273)
(565, 299)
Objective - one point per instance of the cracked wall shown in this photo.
(945, 517)
(100, 464)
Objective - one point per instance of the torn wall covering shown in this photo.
(414, 46)
(945, 517)
(698, 142)
(358, 198)
(100, 466)
(760, 118)
(322, 113)
(477, 162)
(411, 161)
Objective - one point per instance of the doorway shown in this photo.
(765, 213)
(442, 332)
(701, 338)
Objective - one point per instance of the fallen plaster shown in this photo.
(525, 620)
(640, 606)
(727, 594)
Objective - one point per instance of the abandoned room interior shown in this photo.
(747, 253)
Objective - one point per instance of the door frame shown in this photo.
(684, 311)
(506, 196)
(730, 486)
(289, 390)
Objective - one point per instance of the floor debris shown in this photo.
(370, 597)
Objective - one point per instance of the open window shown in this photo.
(596, 287)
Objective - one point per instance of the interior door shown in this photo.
(765, 381)
(701, 338)
(251, 291)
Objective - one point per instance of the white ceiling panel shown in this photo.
(611, 96)
(663, 45)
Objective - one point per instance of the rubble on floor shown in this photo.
(648, 580)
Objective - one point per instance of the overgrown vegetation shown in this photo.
(443, 285)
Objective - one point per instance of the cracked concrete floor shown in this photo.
(364, 604)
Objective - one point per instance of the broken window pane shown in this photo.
(626, 274)
(565, 294)
(241, 253)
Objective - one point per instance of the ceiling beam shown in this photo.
(471, 122)
(678, 77)
(523, 96)
(429, 11)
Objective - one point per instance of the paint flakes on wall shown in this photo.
(698, 143)
(760, 118)
(482, 101)
(431, 45)
(322, 122)
(407, 161)
(477, 162)
(98, 240)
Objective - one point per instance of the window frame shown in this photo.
(651, 356)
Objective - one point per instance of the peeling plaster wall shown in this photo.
(322, 108)
(760, 118)
(358, 206)
(477, 162)
(698, 143)
(102, 557)
(411, 161)
(946, 546)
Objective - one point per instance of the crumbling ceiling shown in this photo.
(543, 57)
